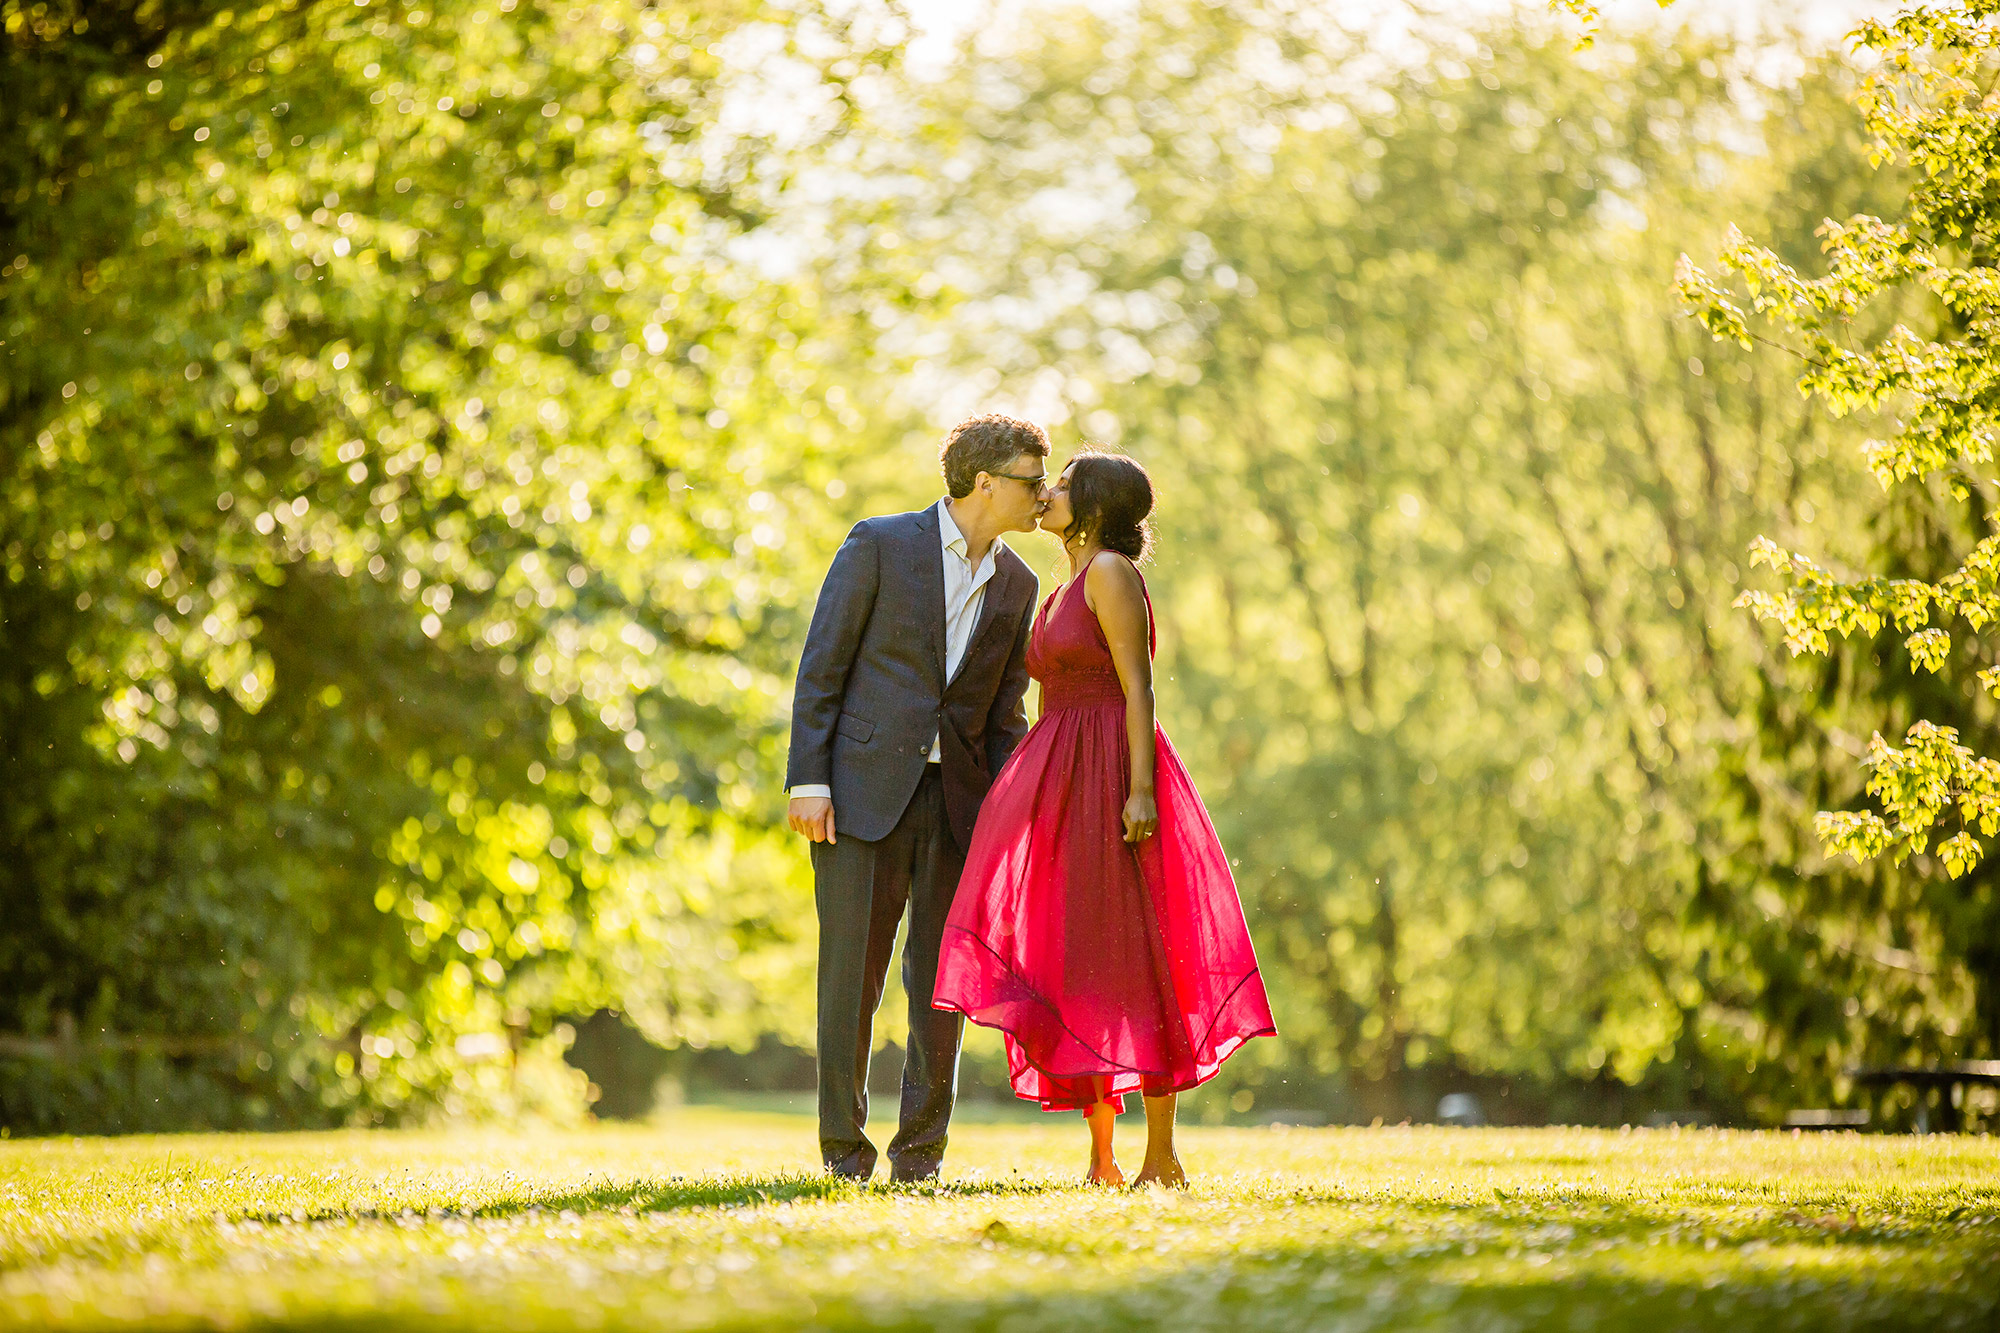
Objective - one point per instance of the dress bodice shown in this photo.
(1069, 655)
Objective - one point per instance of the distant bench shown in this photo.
(1943, 1078)
(1836, 1118)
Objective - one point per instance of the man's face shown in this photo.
(1017, 503)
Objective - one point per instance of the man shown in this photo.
(909, 700)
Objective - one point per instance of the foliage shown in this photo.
(420, 426)
(398, 519)
(1928, 104)
(1453, 500)
(1587, 10)
(706, 1221)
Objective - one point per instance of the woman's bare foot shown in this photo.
(1163, 1165)
(1103, 1166)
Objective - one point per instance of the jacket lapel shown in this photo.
(1000, 597)
(929, 566)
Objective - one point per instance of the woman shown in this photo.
(1096, 923)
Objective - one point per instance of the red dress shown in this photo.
(1111, 969)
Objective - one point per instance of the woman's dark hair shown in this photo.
(1111, 495)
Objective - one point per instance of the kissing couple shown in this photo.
(1063, 881)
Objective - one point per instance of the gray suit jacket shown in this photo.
(872, 690)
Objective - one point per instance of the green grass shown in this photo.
(713, 1220)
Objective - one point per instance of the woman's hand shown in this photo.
(1141, 816)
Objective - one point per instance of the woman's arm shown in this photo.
(1113, 590)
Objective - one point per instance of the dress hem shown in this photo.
(1112, 1068)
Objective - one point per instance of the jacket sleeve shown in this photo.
(845, 603)
(1007, 720)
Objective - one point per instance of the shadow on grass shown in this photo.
(1589, 1215)
(1340, 1284)
(1580, 1261)
(674, 1194)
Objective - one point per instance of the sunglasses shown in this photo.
(1036, 484)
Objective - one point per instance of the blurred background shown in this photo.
(423, 427)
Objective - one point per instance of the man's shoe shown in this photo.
(849, 1168)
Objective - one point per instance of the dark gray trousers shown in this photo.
(862, 888)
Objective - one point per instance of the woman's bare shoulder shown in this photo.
(1114, 576)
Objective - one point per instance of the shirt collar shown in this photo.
(954, 540)
(952, 536)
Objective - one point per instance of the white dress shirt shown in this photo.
(964, 598)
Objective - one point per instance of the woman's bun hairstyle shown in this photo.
(1111, 495)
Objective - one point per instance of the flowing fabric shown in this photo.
(1110, 968)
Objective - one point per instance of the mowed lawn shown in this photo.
(711, 1220)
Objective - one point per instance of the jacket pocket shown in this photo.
(856, 729)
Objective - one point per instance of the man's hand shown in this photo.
(813, 817)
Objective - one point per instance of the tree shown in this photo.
(398, 495)
(1454, 501)
(1899, 320)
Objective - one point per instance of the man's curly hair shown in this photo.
(987, 444)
